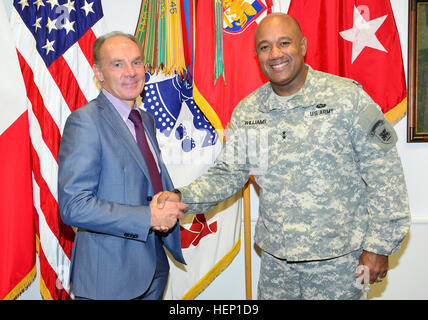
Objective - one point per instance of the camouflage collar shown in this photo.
(303, 98)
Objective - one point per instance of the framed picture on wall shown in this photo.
(417, 110)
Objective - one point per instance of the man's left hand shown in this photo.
(377, 265)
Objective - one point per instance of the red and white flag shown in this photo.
(54, 43)
(359, 40)
(17, 235)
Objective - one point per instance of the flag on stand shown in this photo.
(54, 44)
(189, 147)
(225, 70)
(189, 144)
(17, 234)
(217, 97)
(359, 40)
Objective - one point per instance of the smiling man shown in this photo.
(281, 50)
(110, 169)
(332, 190)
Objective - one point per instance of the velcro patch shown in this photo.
(381, 131)
(378, 128)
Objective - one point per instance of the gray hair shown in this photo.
(96, 47)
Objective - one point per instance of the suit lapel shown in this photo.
(113, 118)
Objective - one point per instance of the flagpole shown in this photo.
(247, 240)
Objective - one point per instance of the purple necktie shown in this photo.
(143, 144)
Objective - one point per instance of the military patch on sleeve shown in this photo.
(379, 130)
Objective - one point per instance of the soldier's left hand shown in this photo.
(377, 265)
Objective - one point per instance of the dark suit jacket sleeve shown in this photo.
(80, 163)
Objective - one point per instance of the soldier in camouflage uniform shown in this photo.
(332, 190)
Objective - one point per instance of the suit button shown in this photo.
(149, 198)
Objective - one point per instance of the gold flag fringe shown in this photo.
(22, 285)
(397, 113)
(213, 273)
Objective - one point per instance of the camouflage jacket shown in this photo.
(329, 174)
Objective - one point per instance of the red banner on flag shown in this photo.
(17, 234)
(242, 74)
(358, 40)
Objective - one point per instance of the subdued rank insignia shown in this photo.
(382, 132)
(321, 106)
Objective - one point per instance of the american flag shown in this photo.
(54, 43)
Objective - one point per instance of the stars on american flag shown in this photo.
(54, 21)
(53, 3)
(69, 25)
(36, 24)
(51, 24)
(23, 4)
(39, 3)
(70, 6)
(88, 8)
(49, 46)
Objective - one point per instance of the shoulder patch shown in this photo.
(382, 132)
(377, 127)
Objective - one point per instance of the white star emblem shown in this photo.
(363, 34)
(69, 5)
(51, 24)
(23, 3)
(49, 46)
(39, 3)
(53, 3)
(69, 26)
(36, 24)
(88, 7)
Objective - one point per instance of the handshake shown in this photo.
(166, 208)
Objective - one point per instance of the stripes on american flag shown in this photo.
(54, 42)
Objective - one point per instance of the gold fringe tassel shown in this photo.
(44, 291)
(213, 273)
(397, 113)
(46, 295)
(22, 285)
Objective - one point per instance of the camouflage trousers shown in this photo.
(331, 279)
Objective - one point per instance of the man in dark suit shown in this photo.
(110, 174)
